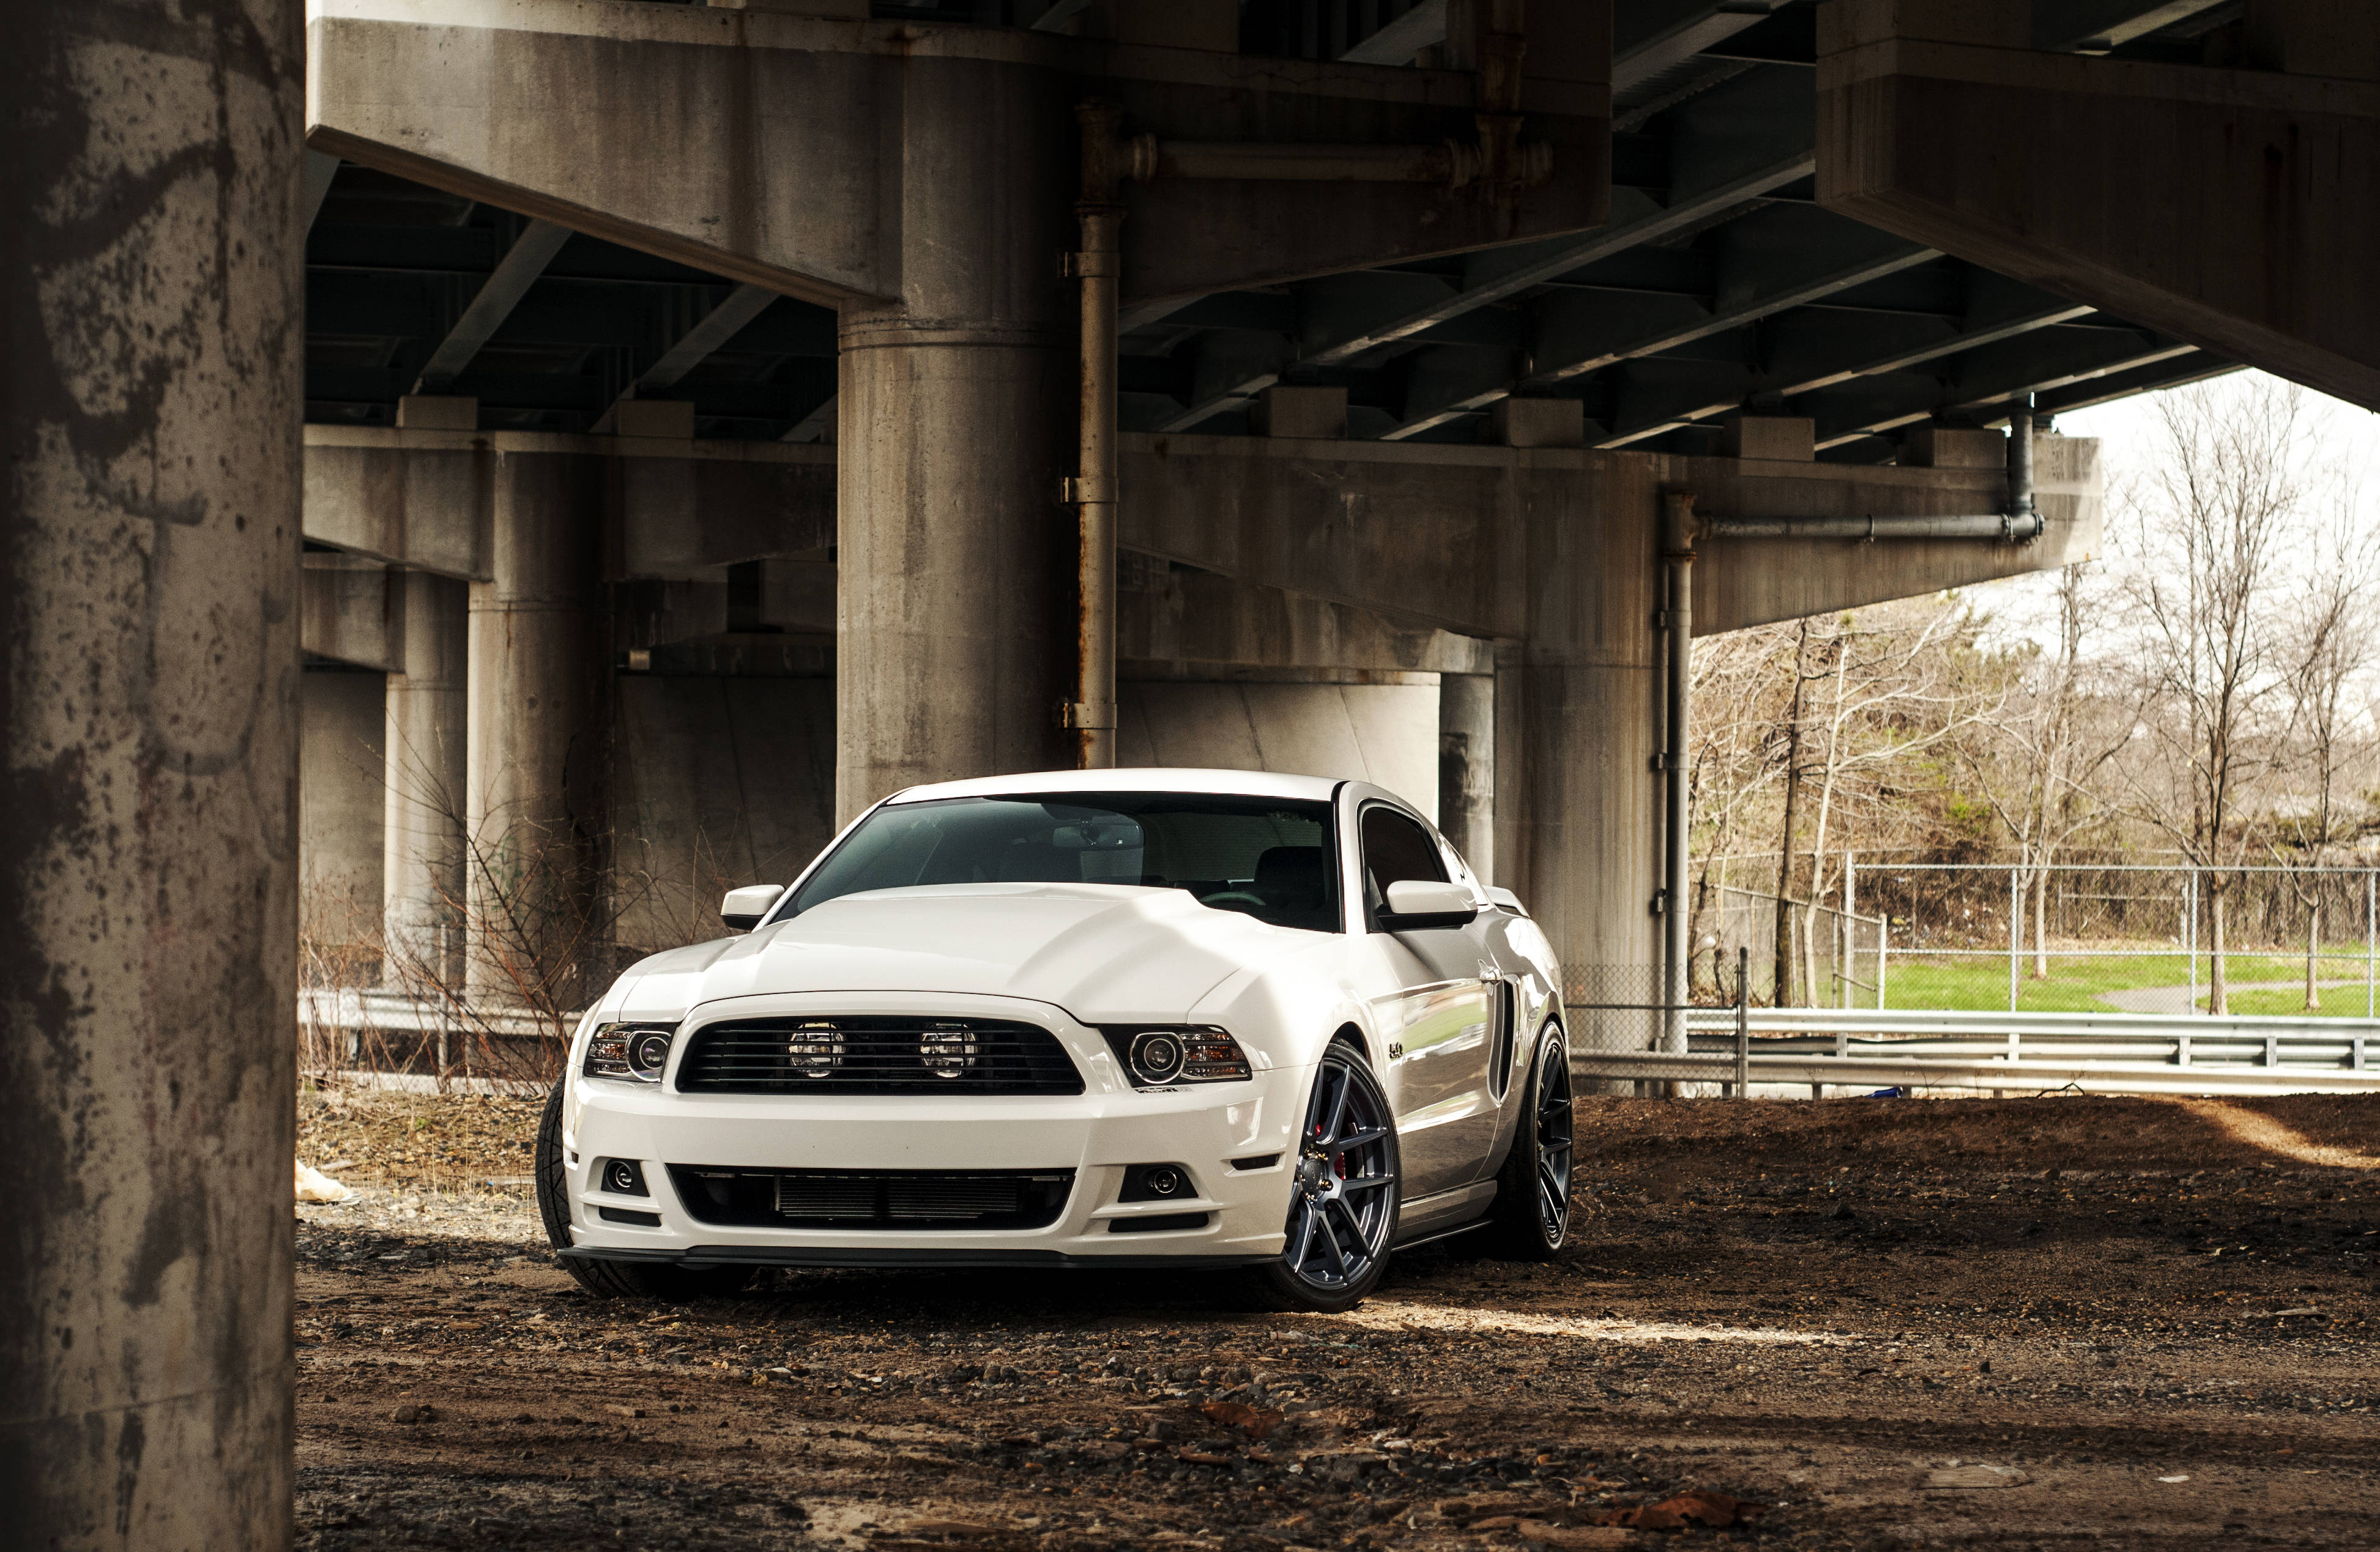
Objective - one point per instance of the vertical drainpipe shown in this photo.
(1678, 626)
(2020, 465)
(1096, 266)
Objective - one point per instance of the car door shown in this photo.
(1432, 1003)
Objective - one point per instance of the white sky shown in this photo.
(2128, 428)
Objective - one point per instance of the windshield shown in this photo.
(1269, 857)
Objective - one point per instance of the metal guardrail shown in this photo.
(2108, 1053)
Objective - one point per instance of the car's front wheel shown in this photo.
(1532, 1210)
(612, 1279)
(1343, 1204)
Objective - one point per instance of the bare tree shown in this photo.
(2041, 766)
(2333, 653)
(2207, 534)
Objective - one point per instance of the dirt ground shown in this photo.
(2034, 1323)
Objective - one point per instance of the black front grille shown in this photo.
(873, 1198)
(875, 1055)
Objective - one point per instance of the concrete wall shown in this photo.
(1383, 734)
(342, 806)
(717, 783)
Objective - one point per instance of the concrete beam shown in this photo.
(750, 143)
(1175, 623)
(352, 612)
(722, 323)
(1754, 582)
(425, 500)
(2233, 209)
(498, 295)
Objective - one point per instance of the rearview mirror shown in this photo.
(1425, 902)
(743, 908)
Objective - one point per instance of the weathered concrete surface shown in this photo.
(539, 751)
(1382, 733)
(424, 779)
(955, 423)
(148, 861)
(341, 765)
(1173, 622)
(752, 806)
(753, 144)
(1467, 766)
(2233, 208)
(1438, 536)
(352, 611)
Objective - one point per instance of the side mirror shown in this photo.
(1508, 899)
(743, 908)
(1424, 903)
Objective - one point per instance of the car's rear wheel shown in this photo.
(1343, 1194)
(612, 1279)
(1532, 1210)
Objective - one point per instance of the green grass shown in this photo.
(2346, 1002)
(2074, 984)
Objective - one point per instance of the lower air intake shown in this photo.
(872, 1199)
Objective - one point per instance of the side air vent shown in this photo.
(875, 1055)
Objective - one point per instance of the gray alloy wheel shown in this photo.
(613, 1280)
(1532, 1210)
(1344, 1197)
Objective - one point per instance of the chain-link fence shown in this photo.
(2093, 937)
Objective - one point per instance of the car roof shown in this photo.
(1239, 784)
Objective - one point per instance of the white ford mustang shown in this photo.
(1113, 1018)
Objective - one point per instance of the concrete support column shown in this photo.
(539, 751)
(1592, 830)
(955, 423)
(149, 402)
(1466, 768)
(425, 786)
(339, 773)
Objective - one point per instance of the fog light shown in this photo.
(815, 1050)
(947, 1050)
(1163, 1181)
(622, 1177)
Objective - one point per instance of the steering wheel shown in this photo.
(1233, 897)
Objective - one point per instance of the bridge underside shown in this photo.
(644, 434)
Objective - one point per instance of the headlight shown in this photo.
(630, 1052)
(1160, 1057)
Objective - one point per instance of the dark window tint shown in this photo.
(1395, 849)
(1267, 858)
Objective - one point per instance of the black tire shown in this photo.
(1344, 1194)
(613, 1280)
(1532, 1210)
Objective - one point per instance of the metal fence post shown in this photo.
(2016, 921)
(1883, 943)
(2190, 935)
(2371, 944)
(1742, 1022)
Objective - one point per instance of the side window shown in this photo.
(1395, 849)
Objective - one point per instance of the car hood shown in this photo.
(1104, 952)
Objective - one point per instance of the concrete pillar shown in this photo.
(340, 762)
(955, 423)
(1592, 825)
(424, 786)
(538, 749)
(1466, 768)
(149, 402)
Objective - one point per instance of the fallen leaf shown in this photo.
(1569, 1536)
(1255, 1422)
(1976, 1476)
(1202, 1458)
(1483, 1505)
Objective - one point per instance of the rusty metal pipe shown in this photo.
(1097, 266)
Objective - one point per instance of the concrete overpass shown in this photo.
(542, 397)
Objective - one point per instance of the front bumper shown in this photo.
(1210, 1131)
